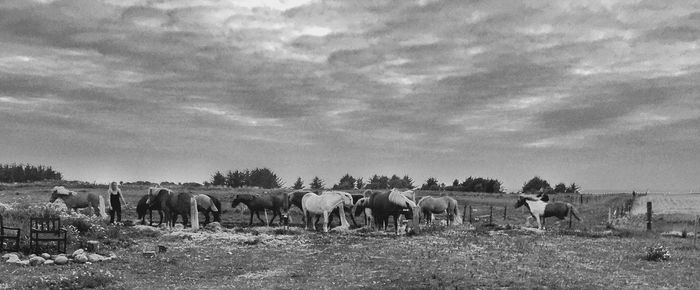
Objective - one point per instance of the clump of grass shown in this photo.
(657, 253)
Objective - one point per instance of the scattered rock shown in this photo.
(149, 254)
(32, 256)
(214, 227)
(94, 258)
(81, 258)
(179, 227)
(10, 256)
(145, 228)
(36, 261)
(78, 252)
(46, 256)
(49, 262)
(23, 263)
(61, 260)
(14, 259)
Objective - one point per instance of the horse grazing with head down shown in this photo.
(174, 204)
(278, 202)
(392, 203)
(143, 207)
(436, 205)
(360, 207)
(540, 209)
(208, 204)
(324, 204)
(75, 200)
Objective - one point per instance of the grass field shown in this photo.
(464, 257)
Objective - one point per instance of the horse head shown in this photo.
(523, 198)
(241, 198)
(59, 192)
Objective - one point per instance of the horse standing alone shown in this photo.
(436, 205)
(75, 200)
(540, 209)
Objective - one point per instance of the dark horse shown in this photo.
(295, 200)
(172, 204)
(278, 202)
(391, 203)
(142, 207)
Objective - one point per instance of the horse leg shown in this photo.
(274, 214)
(396, 224)
(325, 221)
(539, 222)
(251, 219)
(257, 213)
(160, 212)
(150, 217)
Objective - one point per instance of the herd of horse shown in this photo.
(376, 206)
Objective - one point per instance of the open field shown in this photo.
(465, 257)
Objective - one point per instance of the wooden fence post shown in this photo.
(609, 216)
(648, 215)
(464, 215)
(505, 212)
(570, 219)
(491, 216)
(580, 198)
(470, 214)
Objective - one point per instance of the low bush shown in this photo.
(86, 278)
(657, 253)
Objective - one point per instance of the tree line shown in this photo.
(260, 177)
(11, 173)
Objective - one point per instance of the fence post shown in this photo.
(464, 215)
(695, 233)
(609, 216)
(505, 212)
(580, 198)
(470, 214)
(491, 216)
(648, 215)
(570, 218)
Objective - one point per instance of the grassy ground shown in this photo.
(463, 257)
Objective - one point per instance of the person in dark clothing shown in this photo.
(114, 202)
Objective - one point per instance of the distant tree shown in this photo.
(218, 179)
(560, 188)
(455, 183)
(299, 184)
(360, 183)
(346, 182)
(407, 182)
(378, 182)
(27, 173)
(316, 183)
(431, 184)
(264, 177)
(573, 188)
(236, 178)
(536, 184)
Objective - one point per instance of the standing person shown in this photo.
(114, 202)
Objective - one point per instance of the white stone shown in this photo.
(49, 262)
(61, 260)
(81, 258)
(10, 256)
(46, 256)
(94, 258)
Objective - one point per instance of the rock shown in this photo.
(9, 256)
(46, 256)
(179, 227)
(36, 261)
(61, 260)
(23, 263)
(78, 252)
(94, 258)
(14, 259)
(32, 256)
(214, 227)
(49, 262)
(81, 258)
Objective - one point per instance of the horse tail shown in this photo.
(101, 206)
(457, 215)
(194, 214)
(574, 212)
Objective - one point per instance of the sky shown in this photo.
(601, 93)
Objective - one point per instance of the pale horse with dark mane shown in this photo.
(75, 200)
(437, 205)
(540, 209)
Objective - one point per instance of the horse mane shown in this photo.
(399, 199)
(531, 197)
(61, 190)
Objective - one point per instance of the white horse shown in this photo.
(324, 204)
(540, 209)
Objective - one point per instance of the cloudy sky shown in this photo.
(603, 93)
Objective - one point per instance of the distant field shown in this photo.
(684, 204)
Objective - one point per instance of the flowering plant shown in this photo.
(657, 253)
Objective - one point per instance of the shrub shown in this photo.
(657, 253)
(87, 278)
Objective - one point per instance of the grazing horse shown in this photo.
(142, 207)
(208, 204)
(392, 203)
(75, 200)
(436, 205)
(296, 196)
(540, 209)
(277, 202)
(174, 204)
(360, 207)
(324, 204)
